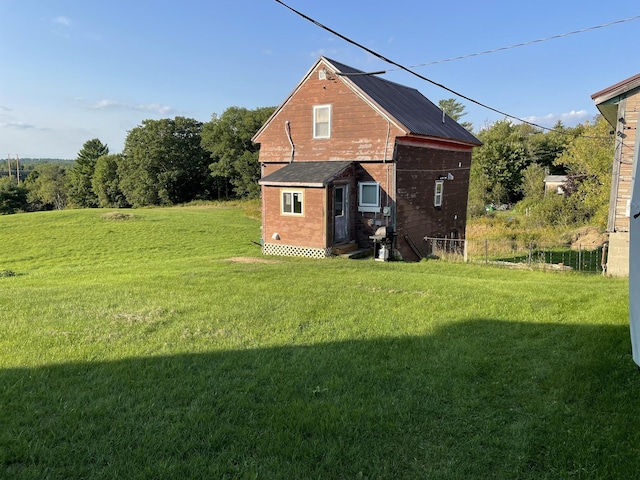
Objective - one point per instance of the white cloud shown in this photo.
(108, 104)
(153, 108)
(62, 20)
(17, 125)
(571, 118)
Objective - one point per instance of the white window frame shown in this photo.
(368, 207)
(316, 109)
(438, 193)
(293, 193)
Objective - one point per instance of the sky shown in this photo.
(74, 70)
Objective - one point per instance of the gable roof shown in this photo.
(407, 105)
(305, 174)
(402, 105)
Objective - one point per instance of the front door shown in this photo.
(340, 213)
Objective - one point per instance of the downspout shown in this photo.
(287, 128)
(386, 143)
(384, 161)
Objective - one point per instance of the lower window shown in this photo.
(292, 202)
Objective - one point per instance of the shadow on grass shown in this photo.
(477, 399)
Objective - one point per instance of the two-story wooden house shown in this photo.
(347, 153)
(620, 104)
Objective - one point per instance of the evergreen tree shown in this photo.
(81, 192)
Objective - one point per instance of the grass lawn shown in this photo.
(160, 344)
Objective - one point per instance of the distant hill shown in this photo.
(31, 161)
(28, 164)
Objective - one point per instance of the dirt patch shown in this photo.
(118, 216)
(253, 260)
(587, 238)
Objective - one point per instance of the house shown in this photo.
(347, 153)
(619, 105)
(554, 184)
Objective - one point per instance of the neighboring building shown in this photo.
(620, 104)
(348, 153)
(554, 184)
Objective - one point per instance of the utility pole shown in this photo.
(9, 164)
(18, 168)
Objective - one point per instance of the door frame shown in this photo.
(340, 222)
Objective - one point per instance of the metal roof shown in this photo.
(305, 174)
(407, 105)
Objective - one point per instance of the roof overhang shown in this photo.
(607, 100)
(437, 143)
(305, 174)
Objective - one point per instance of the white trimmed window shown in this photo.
(368, 197)
(437, 197)
(322, 121)
(292, 202)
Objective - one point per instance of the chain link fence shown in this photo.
(585, 259)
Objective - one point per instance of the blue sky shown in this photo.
(76, 70)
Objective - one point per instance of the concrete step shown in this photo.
(344, 248)
(359, 253)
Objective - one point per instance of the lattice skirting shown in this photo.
(293, 251)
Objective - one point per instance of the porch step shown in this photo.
(359, 253)
(343, 248)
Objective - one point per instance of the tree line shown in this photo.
(511, 165)
(172, 161)
(164, 162)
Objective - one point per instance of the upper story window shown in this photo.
(292, 202)
(437, 197)
(322, 121)
(368, 197)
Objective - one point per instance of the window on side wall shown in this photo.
(322, 121)
(292, 202)
(437, 197)
(368, 197)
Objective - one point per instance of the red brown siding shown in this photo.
(417, 170)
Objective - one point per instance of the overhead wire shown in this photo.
(522, 44)
(433, 82)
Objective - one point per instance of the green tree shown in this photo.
(501, 159)
(455, 110)
(106, 182)
(235, 157)
(47, 187)
(164, 163)
(13, 197)
(533, 182)
(81, 192)
(587, 161)
(546, 147)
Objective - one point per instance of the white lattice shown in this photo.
(293, 251)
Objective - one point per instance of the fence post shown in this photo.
(580, 257)
(464, 250)
(530, 253)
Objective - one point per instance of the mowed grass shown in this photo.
(160, 343)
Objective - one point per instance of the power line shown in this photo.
(523, 44)
(408, 70)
